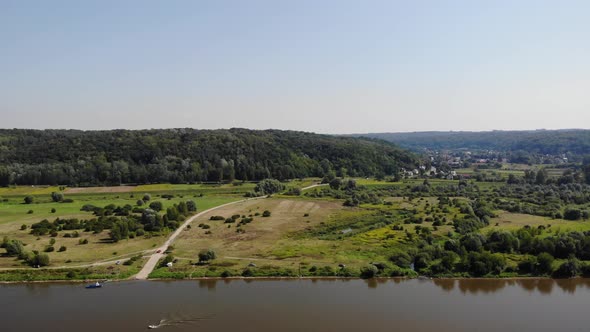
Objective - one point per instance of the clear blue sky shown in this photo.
(323, 66)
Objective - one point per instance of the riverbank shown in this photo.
(130, 277)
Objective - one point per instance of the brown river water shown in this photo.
(300, 305)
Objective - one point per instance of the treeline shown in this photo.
(574, 143)
(478, 255)
(87, 158)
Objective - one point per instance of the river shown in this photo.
(300, 305)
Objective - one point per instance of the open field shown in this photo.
(14, 214)
(231, 188)
(265, 239)
(304, 235)
(319, 233)
(227, 188)
(513, 221)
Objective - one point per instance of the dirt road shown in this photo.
(156, 256)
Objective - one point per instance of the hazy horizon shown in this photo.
(332, 67)
(315, 132)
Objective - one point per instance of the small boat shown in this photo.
(96, 285)
(152, 326)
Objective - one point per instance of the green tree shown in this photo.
(28, 199)
(569, 268)
(156, 206)
(350, 184)
(545, 263)
(39, 259)
(57, 197)
(206, 255)
(14, 248)
(5, 176)
(172, 214)
(191, 206)
(542, 176)
(269, 186)
(572, 214)
(369, 271)
(335, 183)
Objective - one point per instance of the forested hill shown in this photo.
(550, 142)
(73, 157)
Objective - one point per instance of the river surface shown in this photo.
(300, 305)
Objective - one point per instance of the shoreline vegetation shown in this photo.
(263, 278)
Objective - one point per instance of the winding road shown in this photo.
(156, 256)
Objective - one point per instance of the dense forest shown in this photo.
(88, 158)
(547, 142)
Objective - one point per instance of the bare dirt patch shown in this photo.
(100, 190)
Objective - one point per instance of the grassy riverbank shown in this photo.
(394, 230)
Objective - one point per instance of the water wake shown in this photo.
(179, 321)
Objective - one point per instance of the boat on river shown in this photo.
(95, 285)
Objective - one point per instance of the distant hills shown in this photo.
(551, 142)
(74, 157)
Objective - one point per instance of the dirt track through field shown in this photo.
(156, 256)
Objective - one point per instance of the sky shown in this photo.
(321, 66)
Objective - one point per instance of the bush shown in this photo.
(156, 206)
(369, 271)
(572, 214)
(30, 212)
(139, 202)
(293, 192)
(23, 227)
(49, 249)
(29, 199)
(545, 263)
(83, 241)
(225, 274)
(147, 197)
(266, 213)
(168, 259)
(206, 255)
(217, 218)
(14, 248)
(39, 260)
(247, 273)
(191, 206)
(62, 249)
(53, 210)
(568, 269)
(57, 197)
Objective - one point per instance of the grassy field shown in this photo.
(264, 240)
(513, 221)
(299, 233)
(14, 214)
(302, 234)
(231, 188)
